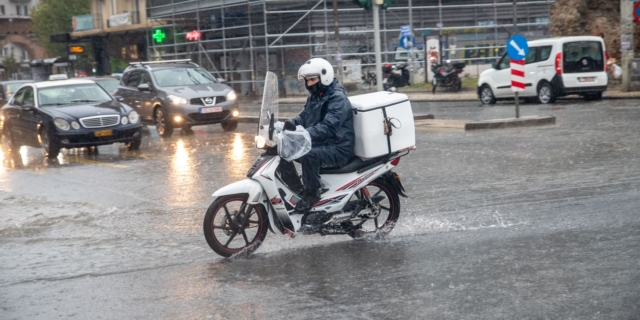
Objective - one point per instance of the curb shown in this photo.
(254, 119)
(510, 123)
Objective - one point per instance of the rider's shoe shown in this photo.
(309, 198)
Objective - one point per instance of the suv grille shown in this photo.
(209, 116)
(100, 121)
(200, 102)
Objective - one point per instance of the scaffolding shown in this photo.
(242, 39)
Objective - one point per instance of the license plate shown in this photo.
(103, 133)
(211, 110)
(587, 79)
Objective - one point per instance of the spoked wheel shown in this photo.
(380, 216)
(231, 226)
(163, 125)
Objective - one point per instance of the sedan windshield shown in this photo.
(72, 94)
(108, 84)
(182, 77)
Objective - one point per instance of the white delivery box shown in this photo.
(375, 111)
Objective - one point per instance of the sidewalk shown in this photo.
(251, 109)
(427, 96)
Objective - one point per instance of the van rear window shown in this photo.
(584, 56)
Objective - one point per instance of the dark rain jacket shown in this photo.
(329, 119)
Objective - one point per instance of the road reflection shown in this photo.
(237, 160)
(182, 176)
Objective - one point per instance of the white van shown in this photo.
(554, 68)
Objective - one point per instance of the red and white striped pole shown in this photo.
(517, 81)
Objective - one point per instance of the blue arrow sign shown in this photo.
(517, 47)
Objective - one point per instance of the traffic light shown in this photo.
(387, 3)
(366, 4)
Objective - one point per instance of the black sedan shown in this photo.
(67, 114)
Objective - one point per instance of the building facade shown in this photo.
(17, 41)
(240, 40)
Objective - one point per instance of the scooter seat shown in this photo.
(353, 165)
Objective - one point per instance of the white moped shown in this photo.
(360, 199)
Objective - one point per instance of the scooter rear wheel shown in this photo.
(232, 227)
(378, 219)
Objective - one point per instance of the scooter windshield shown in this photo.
(268, 113)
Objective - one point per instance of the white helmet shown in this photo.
(317, 67)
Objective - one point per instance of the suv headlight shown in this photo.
(231, 95)
(133, 117)
(176, 99)
(62, 124)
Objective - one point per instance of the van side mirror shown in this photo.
(144, 87)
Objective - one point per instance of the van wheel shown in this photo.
(545, 94)
(486, 95)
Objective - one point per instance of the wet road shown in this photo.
(525, 223)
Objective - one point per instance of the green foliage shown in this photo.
(54, 17)
(10, 65)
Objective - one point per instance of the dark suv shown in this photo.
(177, 94)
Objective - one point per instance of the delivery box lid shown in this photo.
(377, 100)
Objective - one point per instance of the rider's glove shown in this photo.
(279, 126)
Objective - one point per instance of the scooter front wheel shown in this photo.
(232, 226)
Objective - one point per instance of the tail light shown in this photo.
(441, 70)
(559, 63)
(395, 161)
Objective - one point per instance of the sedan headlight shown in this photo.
(134, 117)
(176, 99)
(62, 124)
(75, 125)
(124, 120)
(231, 95)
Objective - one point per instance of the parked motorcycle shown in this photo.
(447, 75)
(395, 76)
(360, 199)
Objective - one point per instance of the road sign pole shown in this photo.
(517, 106)
(376, 44)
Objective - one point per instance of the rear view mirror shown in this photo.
(221, 80)
(29, 107)
(120, 98)
(144, 87)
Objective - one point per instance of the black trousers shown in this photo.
(318, 157)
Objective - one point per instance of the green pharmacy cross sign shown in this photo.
(159, 36)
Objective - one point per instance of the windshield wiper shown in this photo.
(192, 78)
(52, 104)
(82, 100)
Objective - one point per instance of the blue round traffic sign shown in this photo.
(517, 47)
(406, 42)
